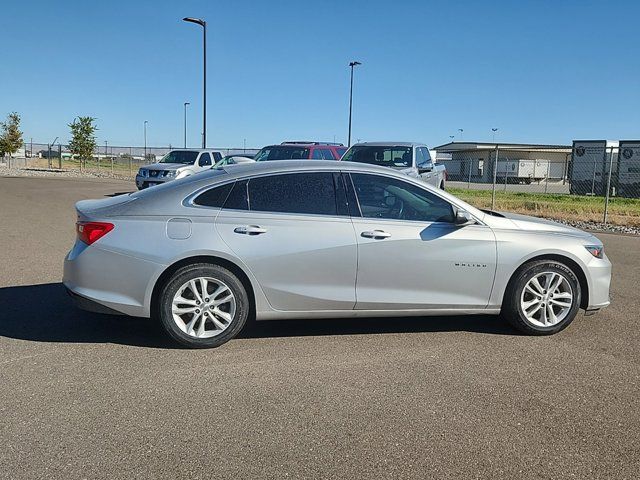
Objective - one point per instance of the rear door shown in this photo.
(410, 253)
(293, 232)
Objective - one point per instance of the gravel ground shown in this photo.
(40, 172)
(55, 173)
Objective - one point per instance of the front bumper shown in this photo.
(145, 182)
(599, 271)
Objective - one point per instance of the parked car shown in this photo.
(412, 159)
(234, 159)
(176, 164)
(301, 151)
(276, 240)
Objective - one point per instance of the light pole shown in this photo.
(452, 137)
(145, 141)
(351, 64)
(203, 24)
(494, 130)
(185, 123)
(461, 130)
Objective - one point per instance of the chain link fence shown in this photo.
(592, 180)
(108, 160)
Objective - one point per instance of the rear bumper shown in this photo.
(109, 282)
(89, 305)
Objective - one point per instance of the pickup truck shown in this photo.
(408, 157)
(177, 164)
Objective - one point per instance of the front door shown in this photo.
(297, 242)
(410, 253)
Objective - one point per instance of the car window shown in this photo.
(391, 198)
(386, 156)
(340, 151)
(217, 156)
(238, 198)
(214, 197)
(180, 156)
(304, 193)
(205, 160)
(279, 152)
(322, 154)
(423, 158)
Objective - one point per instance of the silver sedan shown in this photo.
(293, 239)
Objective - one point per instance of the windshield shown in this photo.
(180, 156)
(279, 152)
(386, 156)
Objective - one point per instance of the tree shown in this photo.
(83, 139)
(11, 136)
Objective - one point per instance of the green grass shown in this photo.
(621, 211)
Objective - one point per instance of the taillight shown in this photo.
(89, 232)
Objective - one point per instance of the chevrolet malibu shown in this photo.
(291, 239)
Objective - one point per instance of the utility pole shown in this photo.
(185, 123)
(351, 64)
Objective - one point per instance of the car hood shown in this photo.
(531, 224)
(165, 166)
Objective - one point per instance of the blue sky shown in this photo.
(540, 71)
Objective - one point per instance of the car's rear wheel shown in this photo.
(203, 306)
(543, 298)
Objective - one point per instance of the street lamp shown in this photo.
(203, 24)
(494, 130)
(185, 123)
(452, 137)
(461, 130)
(351, 64)
(145, 141)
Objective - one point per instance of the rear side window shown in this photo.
(237, 198)
(340, 151)
(322, 154)
(303, 193)
(214, 197)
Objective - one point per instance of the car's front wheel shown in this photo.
(543, 298)
(203, 306)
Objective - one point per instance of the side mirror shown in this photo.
(426, 168)
(463, 218)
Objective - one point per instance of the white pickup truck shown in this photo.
(411, 158)
(177, 164)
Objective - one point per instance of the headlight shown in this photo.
(143, 172)
(595, 250)
(170, 173)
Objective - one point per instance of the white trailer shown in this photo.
(523, 170)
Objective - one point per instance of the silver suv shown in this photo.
(177, 164)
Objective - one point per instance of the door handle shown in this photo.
(376, 234)
(250, 230)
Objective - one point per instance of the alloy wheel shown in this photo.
(203, 307)
(546, 299)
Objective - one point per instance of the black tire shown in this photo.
(511, 305)
(190, 272)
(442, 185)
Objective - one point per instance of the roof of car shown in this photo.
(385, 144)
(300, 165)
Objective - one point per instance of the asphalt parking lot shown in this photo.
(89, 396)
